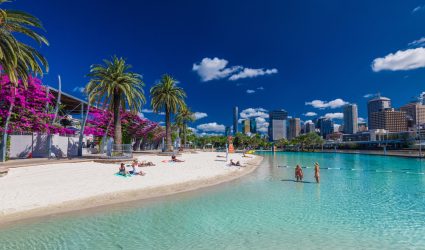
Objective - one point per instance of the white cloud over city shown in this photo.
(418, 8)
(401, 60)
(260, 116)
(250, 91)
(211, 127)
(309, 114)
(199, 115)
(319, 104)
(215, 68)
(334, 115)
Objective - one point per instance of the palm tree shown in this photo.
(183, 117)
(166, 96)
(17, 59)
(113, 84)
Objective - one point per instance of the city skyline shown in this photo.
(317, 49)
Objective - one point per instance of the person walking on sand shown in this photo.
(298, 173)
(317, 172)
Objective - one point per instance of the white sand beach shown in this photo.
(40, 190)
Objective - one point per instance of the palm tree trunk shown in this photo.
(117, 119)
(169, 146)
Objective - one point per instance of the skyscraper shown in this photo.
(227, 131)
(416, 112)
(376, 105)
(246, 128)
(235, 120)
(326, 127)
(294, 128)
(350, 119)
(309, 127)
(277, 125)
(389, 119)
(253, 125)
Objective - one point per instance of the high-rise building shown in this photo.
(375, 105)
(235, 120)
(326, 127)
(389, 119)
(350, 119)
(277, 125)
(309, 127)
(416, 112)
(294, 128)
(253, 125)
(227, 131)
(246, 128)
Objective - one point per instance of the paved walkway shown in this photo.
(16, 163)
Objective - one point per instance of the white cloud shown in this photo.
(310, 114)
(260, 88)
(334, 115)
(262, 125)
(250, 91)
(253, 112)
(418, 8)
(308, 121)
(212, 69)
(401, 60)
(199, 115)
(215, 68)
(337, 103)
(361, 119)
(149, 111)
(417, 43)
(211, 127)
(368, 95)
(203, 134)
(250, 73)
(78, 89)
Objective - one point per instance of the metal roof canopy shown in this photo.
(71, 104)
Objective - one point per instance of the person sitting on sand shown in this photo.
(135, 166)
(298, 173)
(174, 159)
(317, 172)
(146, 164)
(122, 170)
(232, 163)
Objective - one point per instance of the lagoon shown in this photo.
(362, 202)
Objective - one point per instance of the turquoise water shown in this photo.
(379, 204)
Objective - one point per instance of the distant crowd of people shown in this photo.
(299, 175)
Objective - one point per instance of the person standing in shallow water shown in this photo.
(317, 172)
(298, 173)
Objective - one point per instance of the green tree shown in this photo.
(19, 60)
(117, 87)
(167, 96)
(183, 117)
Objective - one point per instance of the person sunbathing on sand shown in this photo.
(174, 159)
(146, 164)
(135, 166)
(232, 163)
(122, 170)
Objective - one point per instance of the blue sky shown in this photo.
(303, 56)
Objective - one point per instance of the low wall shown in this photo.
(36, 145)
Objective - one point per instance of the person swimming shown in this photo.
(298, 173)
(317, 172)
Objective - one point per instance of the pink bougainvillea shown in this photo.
(29, 114)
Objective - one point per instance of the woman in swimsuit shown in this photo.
(317, 172)
(298, 173)
(122, 170)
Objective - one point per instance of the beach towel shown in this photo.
(120, 175)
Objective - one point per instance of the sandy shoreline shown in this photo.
(45, 190)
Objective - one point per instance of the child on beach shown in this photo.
(122, 170)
